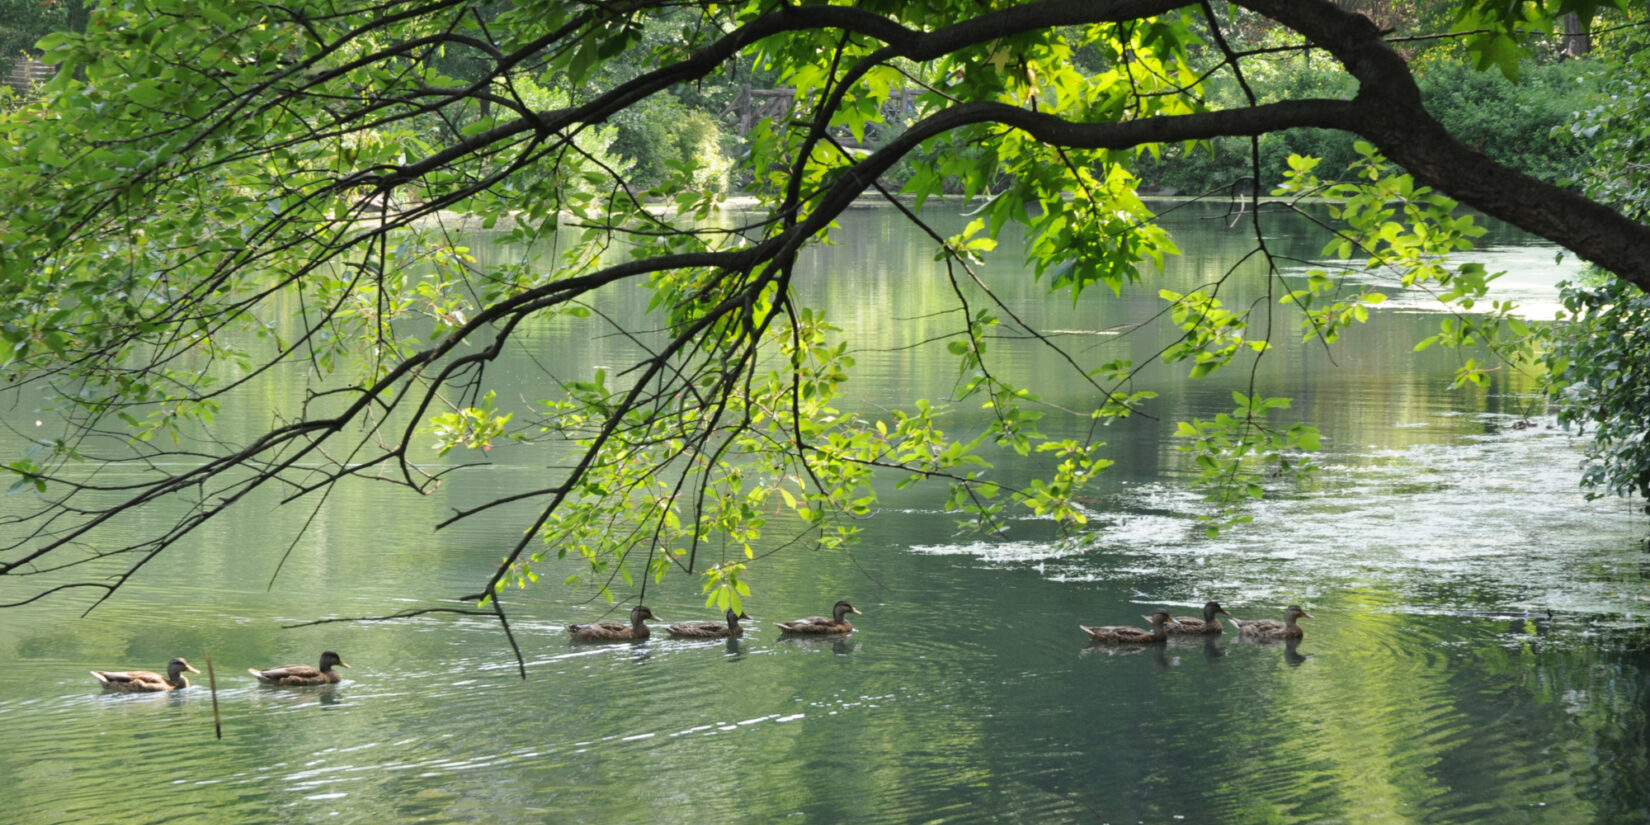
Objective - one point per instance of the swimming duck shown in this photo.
(146, 681)
(1274, 629)
(615, 631)
(1130, 635)
(819, 624)
(709, 630)
(300, 675)
(1186, 625)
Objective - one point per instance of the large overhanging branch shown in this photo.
(1387, 111)
(1390, 115)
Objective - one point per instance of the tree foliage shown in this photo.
(1600, 355)
(204, 169)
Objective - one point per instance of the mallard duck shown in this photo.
(819, 624)
(1274, 629)
(1130, 635)
(1186, 625)
(146, 681)
(615, 631)
(299, 675)
(709, 630)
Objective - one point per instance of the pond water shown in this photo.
(1476, 654)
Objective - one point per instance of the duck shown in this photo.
(1129, 635)
(1274, 629)
(709, 630)
(1189, 626)
(838, 623)
(300, 675)
(615, 631)
(146, 681)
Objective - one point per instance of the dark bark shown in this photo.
(1578, 41)
(1390, 115)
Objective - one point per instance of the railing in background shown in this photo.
(27, 73)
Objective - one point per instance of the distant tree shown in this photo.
(22, 22)
(210, 166)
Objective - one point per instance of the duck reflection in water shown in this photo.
(1292, 654)
(839, 644)
(325, 696)
(1207, 645)
(1159, 654)
(1161, 658)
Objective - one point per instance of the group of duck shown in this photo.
(1162, 624)
(148, 681)
(640, 615)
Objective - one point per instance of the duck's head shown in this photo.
(1293, 612)
(330, 659)
(1210, 609)
(178, 665)
(1158, 618)
(734, 618)
(640, 613)
(843, 608)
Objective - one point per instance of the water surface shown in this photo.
(1477, 652)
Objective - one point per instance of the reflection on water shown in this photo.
(1478, 652)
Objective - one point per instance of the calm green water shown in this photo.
(1430, 687)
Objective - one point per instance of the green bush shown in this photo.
(1599, 364)
(1523, 124)
(665, 138)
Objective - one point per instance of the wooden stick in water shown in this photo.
(212, 677)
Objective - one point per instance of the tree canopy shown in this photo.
(206, 168)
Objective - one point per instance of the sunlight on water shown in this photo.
(1529, 278)
(1429, 524)
(1431, 685)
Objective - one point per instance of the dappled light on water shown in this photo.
(1493, 525)
(1476, 652)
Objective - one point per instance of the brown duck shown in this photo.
(615, 631)
(709, 630)
(838, 623)
(300, 675)
(146, 681)
(1129, 635)
(1189, 626)
(1274, 629)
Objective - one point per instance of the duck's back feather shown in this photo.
(817, 624)
(294, 675)
(136, 681)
